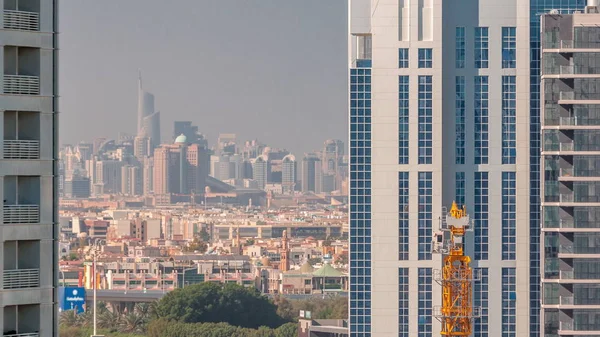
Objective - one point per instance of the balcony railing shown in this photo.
(21, 85)
(567, 146)
(566, 70)
(25, 334)
(21, 149)
(21, 20)
(567, 300)
(15, 214)
(566, 95)
(566, 274)
(21, 278)
(566, 249)
(566, 326)
(567, 198)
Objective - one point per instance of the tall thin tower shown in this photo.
(148, 120)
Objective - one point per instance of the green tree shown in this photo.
(204, 236)
(211, 302)
(196, 245)
(285, 309)
(287, 330)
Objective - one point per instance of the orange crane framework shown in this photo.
(456, 277)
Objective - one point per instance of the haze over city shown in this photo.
(274, 70)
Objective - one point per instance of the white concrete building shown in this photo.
(439, 111)
(28, 168)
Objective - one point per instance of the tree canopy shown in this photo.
(212, 303)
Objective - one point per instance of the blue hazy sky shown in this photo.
(274, 70)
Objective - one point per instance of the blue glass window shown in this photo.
(460, 47)
(460, 188)
(481, 119)
(425, 305)
(425, 119)
(425, 215)
(403, 58)
(403, 121)
(459, 109)
(509, 120)
(481, 47)
(403, 302)
(509, 310)
(509, 215)
(509, 47)
(360, 202)
(403, 226)
(481, 215)
(480, 299)
(425, 58)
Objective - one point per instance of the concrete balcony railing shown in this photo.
(16, 214)
(21, 278)
(21, 20)
(21, 149)
(566, 249)
(25, 334)
(566, 326)
(21, 85)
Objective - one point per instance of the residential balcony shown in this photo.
(21, 85)
(21, 278)
(21, 20)
(569, 328)
(571, 252)
(572, 123)
(21, 149)
(19, 214)
(568, 97)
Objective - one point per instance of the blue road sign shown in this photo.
(72, 298)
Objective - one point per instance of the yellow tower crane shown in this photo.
(456, 277)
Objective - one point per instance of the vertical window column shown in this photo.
(403, 58)
(460, 47)
(481, 119)
(481, 215)
(509, 119)
(403, 122)
(460, 119)
(460, 188)
(403, 302)
(425, 114)
(360, 202)
(480, 299)
(481, 47)
(425, 215)
(403, 225)
(509, 47)
(425, 305)
(509, 311)
(425, 58)
(509, 215)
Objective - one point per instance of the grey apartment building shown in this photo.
(28, 169)
(570, 110)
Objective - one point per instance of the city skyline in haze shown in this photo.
(253, 68)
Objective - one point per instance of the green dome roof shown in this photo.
(181, 139)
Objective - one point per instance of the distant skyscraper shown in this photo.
(260, 171)
(226, 144)
(147, 118)
(312, 179)
(288, 174)
(331, 160)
